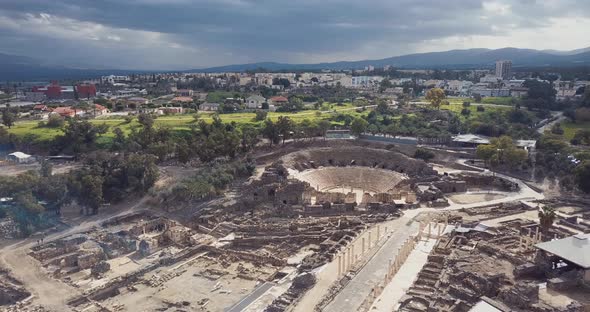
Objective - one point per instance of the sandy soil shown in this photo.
(472, 198)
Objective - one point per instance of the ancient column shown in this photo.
(378, 232)
(349, 259)
(339, 265)
(353, 254)
(363, 248)
(369, 239)
(389, 268)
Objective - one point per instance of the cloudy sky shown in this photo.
(181, 34)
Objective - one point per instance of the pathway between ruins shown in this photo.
(353, 295)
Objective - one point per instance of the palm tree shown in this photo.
(546, 217)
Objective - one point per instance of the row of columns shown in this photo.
(348, 257)
(394, 266)
(426, 229)
(528, 241)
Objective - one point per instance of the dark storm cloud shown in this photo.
(157, 33)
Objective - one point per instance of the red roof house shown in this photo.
(279, 100)
(64, 111)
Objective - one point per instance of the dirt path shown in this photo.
(46, 291)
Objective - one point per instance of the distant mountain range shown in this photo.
(19, 68)
(454, 59)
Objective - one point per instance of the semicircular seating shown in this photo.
(363, 178)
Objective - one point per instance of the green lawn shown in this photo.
(508, 101)
(499, 100)
(570, 128)
(183, 122)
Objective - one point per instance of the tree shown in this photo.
(556, 129)
(423, 154)
(486, 152)
(582, 176)
(382, 107)
(546, 218)
(46, 169)
(284, 126)
(271, 132)
(323, 127)
(477, 98)
(249, 137)
(502, 151)
(281, 81)
(8, 118)
(540, 90)
(55, 121)
(260, 115)
(384, 85)
(358, 126)
(373, 129)
(91, 187)
(435, 96)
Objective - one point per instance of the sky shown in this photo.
(184, 34)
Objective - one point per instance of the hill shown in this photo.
(20, 68)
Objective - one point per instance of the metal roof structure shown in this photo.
(19, 155)
(471, 138)
(575, 249)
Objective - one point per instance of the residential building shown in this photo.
(490, 79)
(40, 108)
(519, 92)
(56, 92)
(35, 96)
(255, 101)
(99, 110)
(184, 92)
(182, 99)
(64, 111)
(112, 79)
(209, 106)
(499, 92)
(503, 69)
(86, 91)
(170, 110)
(137, 101)
(279, 100)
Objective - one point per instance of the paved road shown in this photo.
(353, 295)
(255, 294)
(559, 117)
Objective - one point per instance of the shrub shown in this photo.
(480, 108)
(55, 121)
(556, 129)
(466, 104)
(261, 115)
(465, 112)
(423, 154)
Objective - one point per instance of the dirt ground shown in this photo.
(14, 169)
(193, 289)
(474, 197)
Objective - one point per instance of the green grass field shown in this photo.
(183, 122)
(508, 101)
(570, 128)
